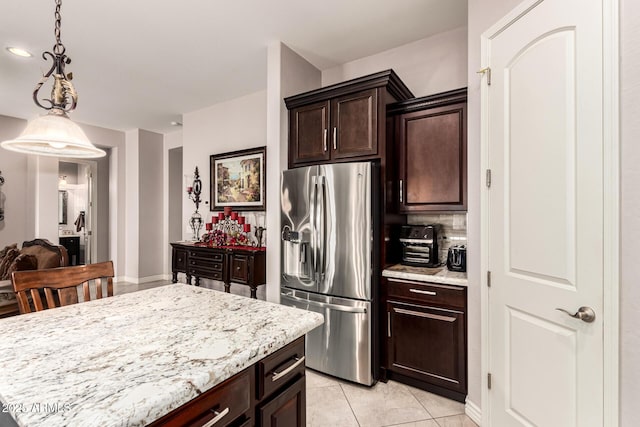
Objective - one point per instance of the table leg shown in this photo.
(227, 287)
(253, 292)
(188, 279)
(175, 277)
(197, 281)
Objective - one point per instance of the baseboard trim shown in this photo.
(140, 280)
(473, 411)
(153, 278)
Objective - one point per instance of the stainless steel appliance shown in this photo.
(457, 258)
(327, 262)
(420, 245)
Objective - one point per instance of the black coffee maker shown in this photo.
(457, 258)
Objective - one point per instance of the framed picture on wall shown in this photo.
(238, 179)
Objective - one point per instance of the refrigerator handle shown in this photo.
(314, 232)
(322, 219)
(337, 307)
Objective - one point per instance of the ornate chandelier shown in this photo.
(54, 134)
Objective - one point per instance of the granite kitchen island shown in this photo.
(132, 359)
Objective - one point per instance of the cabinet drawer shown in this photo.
(276, 370)
(206, 264)
(228, 401)
(207, 256)
(441, 295)
(207, 274)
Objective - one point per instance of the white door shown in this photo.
(544, 136)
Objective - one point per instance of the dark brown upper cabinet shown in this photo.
(343, 122)
(431, 143)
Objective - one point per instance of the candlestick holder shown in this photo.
(227, 229)
(193, 190)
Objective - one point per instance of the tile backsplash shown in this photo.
(454, 229)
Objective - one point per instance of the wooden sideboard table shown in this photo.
(242, 265)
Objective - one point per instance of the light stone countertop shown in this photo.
(129, 359)
(424, 274)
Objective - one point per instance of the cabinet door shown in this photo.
(354, 125)
(427, 344)
(179, 259)
(433, 159)
(286, 409)
(308, 133)
(239, 268)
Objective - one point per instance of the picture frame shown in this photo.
(238, 180)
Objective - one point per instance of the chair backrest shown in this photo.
(47, 254)
(60, 285)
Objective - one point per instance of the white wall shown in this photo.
(172, 206)
(431, 65)
(630, 212)
(15, 228)
(132, 206)
(288, 74)
(151, 201)
(233, 125)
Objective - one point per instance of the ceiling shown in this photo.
(142, 63)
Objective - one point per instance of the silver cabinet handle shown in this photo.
(389, 324)
(218, 417)
(420, 291)
(335, 138)
(277, 375)
(401, 191)
(586, 314)
(325, 139)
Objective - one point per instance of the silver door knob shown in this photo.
(586, 314)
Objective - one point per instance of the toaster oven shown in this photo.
(420, 245)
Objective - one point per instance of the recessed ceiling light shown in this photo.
(19, 52)
(174, 123)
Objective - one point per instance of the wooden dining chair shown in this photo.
(60, 286)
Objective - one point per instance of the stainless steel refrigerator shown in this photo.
(328, 258)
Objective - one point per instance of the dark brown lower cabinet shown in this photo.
(269, 393)
(287, 408)
(426, 343)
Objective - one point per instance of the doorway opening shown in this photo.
(83, 209)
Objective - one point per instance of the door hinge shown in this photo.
(487, 71)
(488, 278)
(488, 174)
(489, 381)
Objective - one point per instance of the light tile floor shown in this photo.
(332, 402)
(335, 403)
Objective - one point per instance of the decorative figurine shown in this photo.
(258, 234)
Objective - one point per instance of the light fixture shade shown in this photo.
(54, 135)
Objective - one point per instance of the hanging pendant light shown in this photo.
(54, 134)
